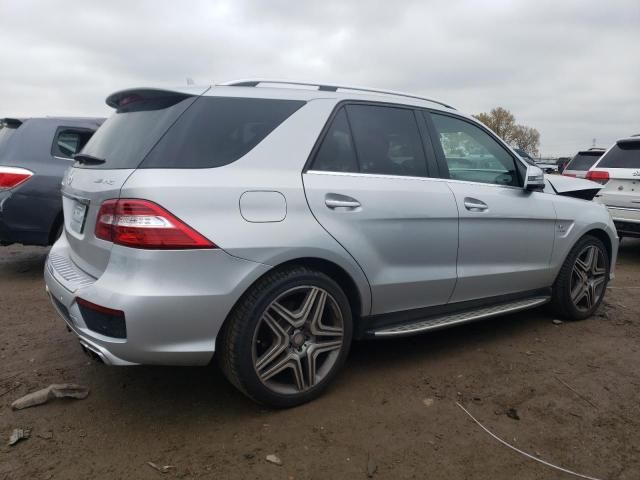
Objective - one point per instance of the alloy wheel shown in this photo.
(298, 340)
(588, 278)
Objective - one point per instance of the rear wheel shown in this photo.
(287, 338)
(582, 281)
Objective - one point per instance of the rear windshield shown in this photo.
(583, 161)
(185, 132)
(622, 155)
(126, 137)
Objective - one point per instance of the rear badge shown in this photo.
(105, 181)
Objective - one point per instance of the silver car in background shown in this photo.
(272, 223)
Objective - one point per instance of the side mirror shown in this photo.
(534, 179)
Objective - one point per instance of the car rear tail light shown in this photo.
(144, 224)
(598, 176)
(11, 177)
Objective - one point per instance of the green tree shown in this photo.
(503, 123)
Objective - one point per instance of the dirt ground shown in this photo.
(574, 387)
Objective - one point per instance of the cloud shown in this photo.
(566, 68)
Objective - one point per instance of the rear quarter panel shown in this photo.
(209, 199)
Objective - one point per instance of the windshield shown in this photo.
(583, 161)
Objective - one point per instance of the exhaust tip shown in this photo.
(93, 354)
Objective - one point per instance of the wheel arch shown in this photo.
(357, 299)
(603, 237)
(55, 225)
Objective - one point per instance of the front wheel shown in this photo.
(287, 338)
(582, 281)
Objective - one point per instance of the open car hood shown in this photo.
(573, 187)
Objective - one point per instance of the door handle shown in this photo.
(335, 200)
(475, 205)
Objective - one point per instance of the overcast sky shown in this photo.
(571, 69)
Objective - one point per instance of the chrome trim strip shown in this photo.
(624, 209)
(405, 177)
(458, 318)
(86, 201)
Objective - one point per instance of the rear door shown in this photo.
(111, 155)
(506, 233)
(368, 185)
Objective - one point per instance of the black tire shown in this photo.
(238, 342)
(562, 303)
(56, 230)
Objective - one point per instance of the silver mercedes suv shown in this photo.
(272, 223)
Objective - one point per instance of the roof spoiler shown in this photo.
(631, 143)
(123, 98)
(10, 122)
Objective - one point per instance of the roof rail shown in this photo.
(324, 87)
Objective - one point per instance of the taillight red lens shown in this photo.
(105, 220)
(11, 177)
(144, 224)
(598, 176)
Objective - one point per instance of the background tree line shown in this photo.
(503, 123)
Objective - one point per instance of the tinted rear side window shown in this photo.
(69, 141)
(126, 137)
(583, 161)
(622, 155)
(387, 140)
(217, 131)
(336, 153)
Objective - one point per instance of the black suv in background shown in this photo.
(34, 155)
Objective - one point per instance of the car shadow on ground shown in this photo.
(159, 391)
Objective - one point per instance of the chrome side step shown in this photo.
(434, 323)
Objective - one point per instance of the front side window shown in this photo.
(69, 141)
(472, 154)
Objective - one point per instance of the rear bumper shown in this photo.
(626, 220)
(174, 301)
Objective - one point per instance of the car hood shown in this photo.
(573, 187)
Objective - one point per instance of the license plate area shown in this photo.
(78, 217)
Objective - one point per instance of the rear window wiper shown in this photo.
(87, 159)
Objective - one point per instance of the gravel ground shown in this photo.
(567, 393)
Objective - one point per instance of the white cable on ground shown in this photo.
(528, 455)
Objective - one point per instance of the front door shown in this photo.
(506, 233)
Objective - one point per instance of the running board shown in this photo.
(434, 323)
